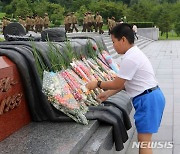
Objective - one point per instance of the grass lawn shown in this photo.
(105, 27)
(2, 15)
(171, 36)
(1, 40)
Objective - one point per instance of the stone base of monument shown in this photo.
(64, 137)
(51, 137)
(14, 112)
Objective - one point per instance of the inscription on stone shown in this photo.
(6, 84)
(10, 103)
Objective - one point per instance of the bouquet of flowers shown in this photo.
(110, 74)
(107, 57)
(85, 69)
(92, 70)
(58, 92)
(79, 71)
(78, 76)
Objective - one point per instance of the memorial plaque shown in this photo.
(14, 113)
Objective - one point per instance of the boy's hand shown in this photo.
(103, 96)
(91, 85)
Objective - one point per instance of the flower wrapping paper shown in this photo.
(58, 92)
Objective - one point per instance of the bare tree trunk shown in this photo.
(166, 34)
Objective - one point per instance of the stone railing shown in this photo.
(151, 33)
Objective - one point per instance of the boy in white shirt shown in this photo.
(137, 77)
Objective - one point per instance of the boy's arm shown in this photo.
(116, 84)
(112, 92)
(106, 94)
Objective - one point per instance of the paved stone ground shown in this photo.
(165, 58)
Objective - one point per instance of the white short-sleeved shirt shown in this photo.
(135, 28)
(136, 68)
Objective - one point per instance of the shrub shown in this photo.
(177, 28)
(142, 24)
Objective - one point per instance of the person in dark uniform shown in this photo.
(89, 22)
(4, 23)
(74, 22)
(99, 22)
(84, 23)
(28, 23)
(22, 21)
(46, 21)
(66, 23)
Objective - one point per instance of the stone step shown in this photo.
(145, 44)
(48, 137)
(130, 134)
(101, 142)
(141, 43)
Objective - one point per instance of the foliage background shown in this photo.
(164, 13)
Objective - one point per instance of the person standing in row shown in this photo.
(89, 22)
(41, 24)
(66, 23)
(69, 22)
(32, 23)
(84, 23)
(99, 23)
(28, 23)
(111, 24)
(4, 23)
(37, 24)
(108, 23)
(46, 21)
(74, 22)
(22, 21)
(93, 23)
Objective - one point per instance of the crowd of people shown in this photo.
(90, 23)
(35, 23)
(31, 23)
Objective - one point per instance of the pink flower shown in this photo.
(94, 47)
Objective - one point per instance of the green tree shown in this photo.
(18, 7)
(165, 19)
(80, 14)
(40, 7)
(141, 11)
(56, 12)
(78, 3)
(22, 8)
(109, 9)
(176, 17)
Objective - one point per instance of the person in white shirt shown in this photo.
(135, 31)
(137, 77)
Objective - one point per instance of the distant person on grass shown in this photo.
(137, 77)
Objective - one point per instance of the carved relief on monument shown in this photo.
(10, 103)
(6, 84)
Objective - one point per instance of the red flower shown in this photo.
(94, 47)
